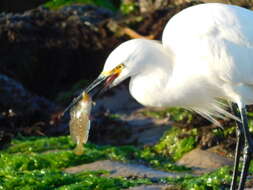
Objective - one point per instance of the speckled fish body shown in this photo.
(79, 124)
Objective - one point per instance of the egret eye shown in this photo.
(119, 67)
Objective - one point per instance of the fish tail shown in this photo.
(79, 149)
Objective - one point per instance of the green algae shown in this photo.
(122, 6)
(175, 114)
(39, 144)
(38, 163)
(57, 4)
(217, 180)
(61, 148)
(129, 7)
(176, 142)
(46, 179)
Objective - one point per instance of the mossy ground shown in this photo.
(121, 6)
(172, 144)
(38, 163)
(56, 4)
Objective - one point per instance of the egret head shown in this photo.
(123, 62)
(127, 60)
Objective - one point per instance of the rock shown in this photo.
(120, 123)
(121, 169)
(110, 101)
(24, 112)
(151, 187)
(138, 131)
(15, 97)
(18, 6)
(41, 47)
(204, 160)
(88, 13)
(118, 169)
(145, 131)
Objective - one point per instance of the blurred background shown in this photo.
(52, 49)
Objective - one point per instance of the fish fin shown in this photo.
(79, 149)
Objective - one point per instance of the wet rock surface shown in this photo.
(122, 169)
(127, 170)
(204, 161)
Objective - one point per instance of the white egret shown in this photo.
(206, 54)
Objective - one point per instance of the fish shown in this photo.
(79, 124)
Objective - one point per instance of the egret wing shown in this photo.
(220, 41)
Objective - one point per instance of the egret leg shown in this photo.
(239, 142)
(248, 148)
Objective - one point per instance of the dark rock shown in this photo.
(19, 6)
(88, 13)
(13, 96)
(24, 112)
(43, 27)
(41, 47)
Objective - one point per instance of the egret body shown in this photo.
(206, 54)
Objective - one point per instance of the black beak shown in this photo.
(95, 88)
(98, 86)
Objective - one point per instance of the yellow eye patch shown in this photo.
(116, 70)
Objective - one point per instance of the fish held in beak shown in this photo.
(79, 125)
(98, 86)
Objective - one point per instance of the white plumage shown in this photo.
(206, 53)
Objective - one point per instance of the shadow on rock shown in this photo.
(25, 113)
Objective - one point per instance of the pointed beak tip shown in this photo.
(97, 87)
